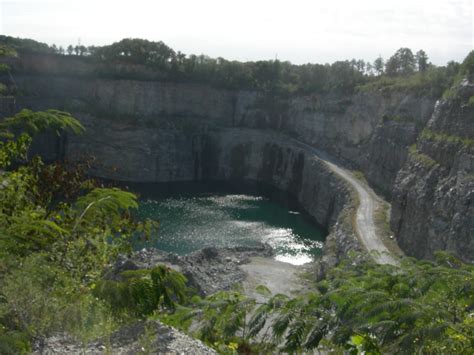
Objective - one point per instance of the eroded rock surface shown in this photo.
(433, 203)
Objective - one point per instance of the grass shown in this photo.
(381, 219)
(447, 138)
(382, 223)
(470, 102)
(424, 159)
(359, 175)
(450, 92)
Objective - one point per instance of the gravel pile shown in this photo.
(149, 337)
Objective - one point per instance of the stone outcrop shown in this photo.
(433, 199)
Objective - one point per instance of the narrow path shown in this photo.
(365, 225)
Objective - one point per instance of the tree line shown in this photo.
(275, 76)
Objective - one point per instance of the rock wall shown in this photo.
(433, 198)
(362, 130)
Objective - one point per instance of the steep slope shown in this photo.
(432, 207)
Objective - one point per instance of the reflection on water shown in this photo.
(191, 223)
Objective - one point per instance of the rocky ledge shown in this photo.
(149, 337)
(208, 270)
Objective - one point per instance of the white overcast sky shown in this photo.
(300, 31)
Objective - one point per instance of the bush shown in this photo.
(56, 239)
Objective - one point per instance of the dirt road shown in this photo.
(368, 201)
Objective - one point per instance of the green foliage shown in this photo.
(221, 319)
(223, 316)
(40, 298)
(470, 102)
(147, 60)
(11, 45)
(7, 51)
(416, 307)
(137, 51)
(12, 150)
(31, 123)
(58, 234)
(360, 176)
(421, 60)
(141, 292)
(467, 66)
(402, 63)
(447, 138)
(3, 87)
(421, 306)
(433, 81)
(274, 76)
(14, 343)
(424, 159)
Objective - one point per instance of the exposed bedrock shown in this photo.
(371, 131)
(433, 198)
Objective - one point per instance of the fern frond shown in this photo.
(314, 337)
(295, 335)
(32, 123)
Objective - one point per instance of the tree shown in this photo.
(82, 50)
(360, 66)
(369, 68)
(401, 63)
(70, 49)
(422, 60)
(378, 65)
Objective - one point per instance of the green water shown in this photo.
(194, 222)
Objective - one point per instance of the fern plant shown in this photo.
(56, 241)
(141, 292)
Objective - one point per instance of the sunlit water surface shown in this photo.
(191, 223)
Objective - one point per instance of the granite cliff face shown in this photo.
(152, 131)
(433, 198)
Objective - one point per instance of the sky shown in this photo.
(300, 31)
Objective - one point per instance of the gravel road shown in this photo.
(368, 201)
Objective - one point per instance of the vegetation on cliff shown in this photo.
(402, 71)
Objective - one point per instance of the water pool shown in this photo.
(189, 223)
